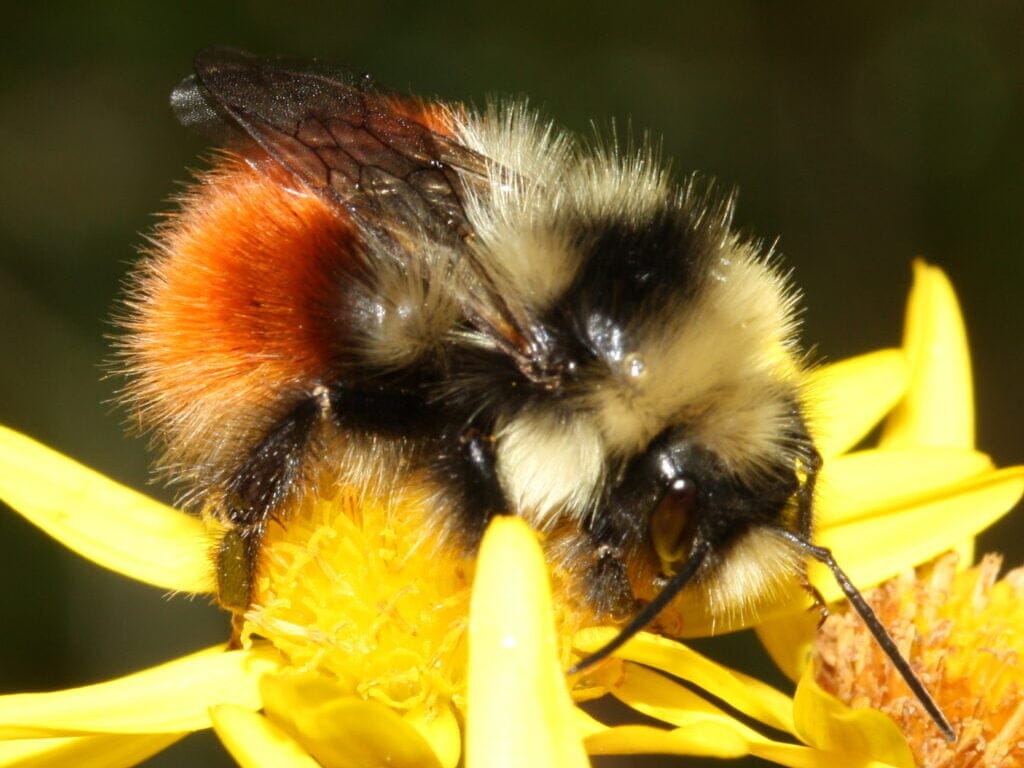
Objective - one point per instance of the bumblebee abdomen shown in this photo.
(238, 310)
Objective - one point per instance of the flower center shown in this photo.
(374, 594)
(366, 591)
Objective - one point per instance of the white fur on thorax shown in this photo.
(542, 182)
(550, 464)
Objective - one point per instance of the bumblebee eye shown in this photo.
(671, 524)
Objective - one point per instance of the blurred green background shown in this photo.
(860, 134)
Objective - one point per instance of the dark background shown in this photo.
(862, 135)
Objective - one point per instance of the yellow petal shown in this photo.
(171, 698)
(745, 694)
(587, 725)
(788, 638)
(519, 711)
(939, 407)
(872, 549)
(856, 485)
(657, 696)
(255, 742)
(847, 399)
(105, 751)
(441, 731)
(101, 520)
(716, 738)
(708, 738)
(825, 722)
(923, 524)
(343, 731)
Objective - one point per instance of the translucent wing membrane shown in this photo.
(338, 134)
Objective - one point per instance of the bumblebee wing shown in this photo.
(392, 164)
(387, 161)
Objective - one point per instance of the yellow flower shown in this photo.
(315, 711)
(367, 645)
(922, 490)
(965, 629)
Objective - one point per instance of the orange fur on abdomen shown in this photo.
(238, 305)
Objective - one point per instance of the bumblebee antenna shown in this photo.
(875, 626)
(652, 609)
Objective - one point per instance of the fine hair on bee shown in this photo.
(480, 305)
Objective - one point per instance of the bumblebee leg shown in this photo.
(819, 603)
(611, 594)
(805, 496)
(463, 468)
(810, 464)
(253, 492)
(482, 481)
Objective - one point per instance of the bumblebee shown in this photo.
(525, 324)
